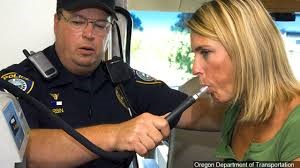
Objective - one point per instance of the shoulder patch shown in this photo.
(145, 78)
(18, 80)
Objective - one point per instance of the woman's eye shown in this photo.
(205, 53)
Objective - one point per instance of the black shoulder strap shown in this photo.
(119, 73)
(118, 70)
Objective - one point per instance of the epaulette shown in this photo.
(143, 78)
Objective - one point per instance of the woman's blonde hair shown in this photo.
(263, 78)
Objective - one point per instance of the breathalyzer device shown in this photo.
(14, 132)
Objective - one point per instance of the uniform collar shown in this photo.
(64, 77)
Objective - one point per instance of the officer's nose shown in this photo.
(88, 31)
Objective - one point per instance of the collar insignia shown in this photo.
(56, 104)
(54, 95)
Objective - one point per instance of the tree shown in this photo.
(137, 23)
(181, 58)
(179, 26)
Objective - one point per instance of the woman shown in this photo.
(240, 56)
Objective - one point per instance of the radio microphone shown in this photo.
(171, 118)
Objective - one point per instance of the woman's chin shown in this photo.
(219, 99)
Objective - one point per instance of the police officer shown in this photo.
(84, 96)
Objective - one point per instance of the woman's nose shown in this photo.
(198, 65)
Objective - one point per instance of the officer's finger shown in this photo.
(147, 141)
(162, 125)
(165, 115)
(155, 135)
(140, 148)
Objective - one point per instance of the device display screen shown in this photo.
(14, 124)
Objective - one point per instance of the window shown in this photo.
(290, 31)
(156, 41)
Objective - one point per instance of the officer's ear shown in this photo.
(56, 20)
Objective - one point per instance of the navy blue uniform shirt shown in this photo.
(89, 100)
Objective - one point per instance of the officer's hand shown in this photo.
(142, 133)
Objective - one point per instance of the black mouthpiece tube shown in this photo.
(171, 118)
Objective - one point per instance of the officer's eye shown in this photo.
(101, 24)
(78, 21)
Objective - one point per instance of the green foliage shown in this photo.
(182, 58)
(137, 23)
(180, 26)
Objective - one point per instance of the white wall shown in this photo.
(24, 24)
